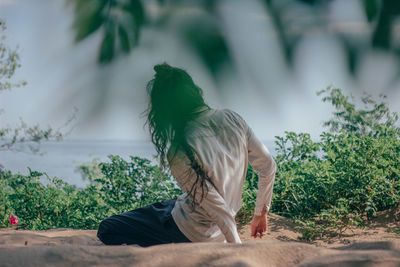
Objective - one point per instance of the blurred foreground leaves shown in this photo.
(121, 21)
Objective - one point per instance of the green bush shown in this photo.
(120, 186)
(249, 196)
(53, 205)
(129, 185)
(346, 177)
(341, 180)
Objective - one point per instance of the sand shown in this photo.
(374, 245)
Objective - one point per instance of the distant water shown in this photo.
(61, 159)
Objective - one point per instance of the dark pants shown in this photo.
(146, 226)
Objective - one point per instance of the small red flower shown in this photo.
(13, 219)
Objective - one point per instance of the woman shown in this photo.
(208, 151)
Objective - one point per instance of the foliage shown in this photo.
(394, 230)
(380, 15)
(120, 23)
(56, 204)
(344, 178)
(9, 62)
(249, 196)
(122, 186)
(130, 184)
(10, 138)
(375, 120)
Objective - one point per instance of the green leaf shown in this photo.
(124, 40)
(108, 44)
(88, 17)
(371, 9)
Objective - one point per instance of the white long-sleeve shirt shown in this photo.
(224, 145)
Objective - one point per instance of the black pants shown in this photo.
(146, 226)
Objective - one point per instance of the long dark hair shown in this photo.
(174, 99)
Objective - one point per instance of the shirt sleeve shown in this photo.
(213, 203)
(263, 163)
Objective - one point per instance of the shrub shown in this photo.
(53, 205)
(341, 180)
(129, 185)
(249, 196)
(344, 178)
(121, 186)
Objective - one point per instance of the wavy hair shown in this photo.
(174, 99)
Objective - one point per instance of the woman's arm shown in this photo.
(263, 163)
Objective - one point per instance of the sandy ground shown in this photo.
(378, 230)
(375, 245)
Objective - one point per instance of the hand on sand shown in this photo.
(259, 224)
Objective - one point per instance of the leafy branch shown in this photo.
(13, 138)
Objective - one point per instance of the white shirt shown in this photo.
(224, 145)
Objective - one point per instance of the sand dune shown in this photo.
(280, 247)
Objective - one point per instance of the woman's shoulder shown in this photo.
(214, 120)
(224, 111)
(233, 115)
(228, 119)
(230, 111)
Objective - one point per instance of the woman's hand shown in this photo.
(259, 224)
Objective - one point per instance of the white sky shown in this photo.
(62, 75)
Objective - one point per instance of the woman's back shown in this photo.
(221, 143)
(220, 140)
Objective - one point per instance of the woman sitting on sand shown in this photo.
(208, 151)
